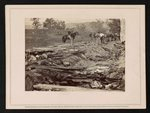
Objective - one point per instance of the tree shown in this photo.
(60, 25)
(114, 25)
(36, 23)
(52, 24)
(49, 23)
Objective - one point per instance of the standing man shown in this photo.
(99, 37)
(69, 36)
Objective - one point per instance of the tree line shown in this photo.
(107, 26)
(49, 23)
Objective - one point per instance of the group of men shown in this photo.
(100, 37)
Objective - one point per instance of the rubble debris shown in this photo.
(47, 87)
(86, 65)
(32, 58)
(96, 84)
(65, 63)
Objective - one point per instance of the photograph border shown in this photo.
(59, 106)
(2, 57)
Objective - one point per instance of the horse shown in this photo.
(113, 37)
(110, 37)
(70, 36)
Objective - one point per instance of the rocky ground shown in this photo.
(83, 66)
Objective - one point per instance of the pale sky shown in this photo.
(72, 15)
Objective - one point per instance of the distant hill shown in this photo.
(71, 25)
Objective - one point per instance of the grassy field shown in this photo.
(49, 39)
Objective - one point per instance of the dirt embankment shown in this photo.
(85, 65)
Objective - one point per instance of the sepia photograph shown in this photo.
(75, 57)
(68, 55)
